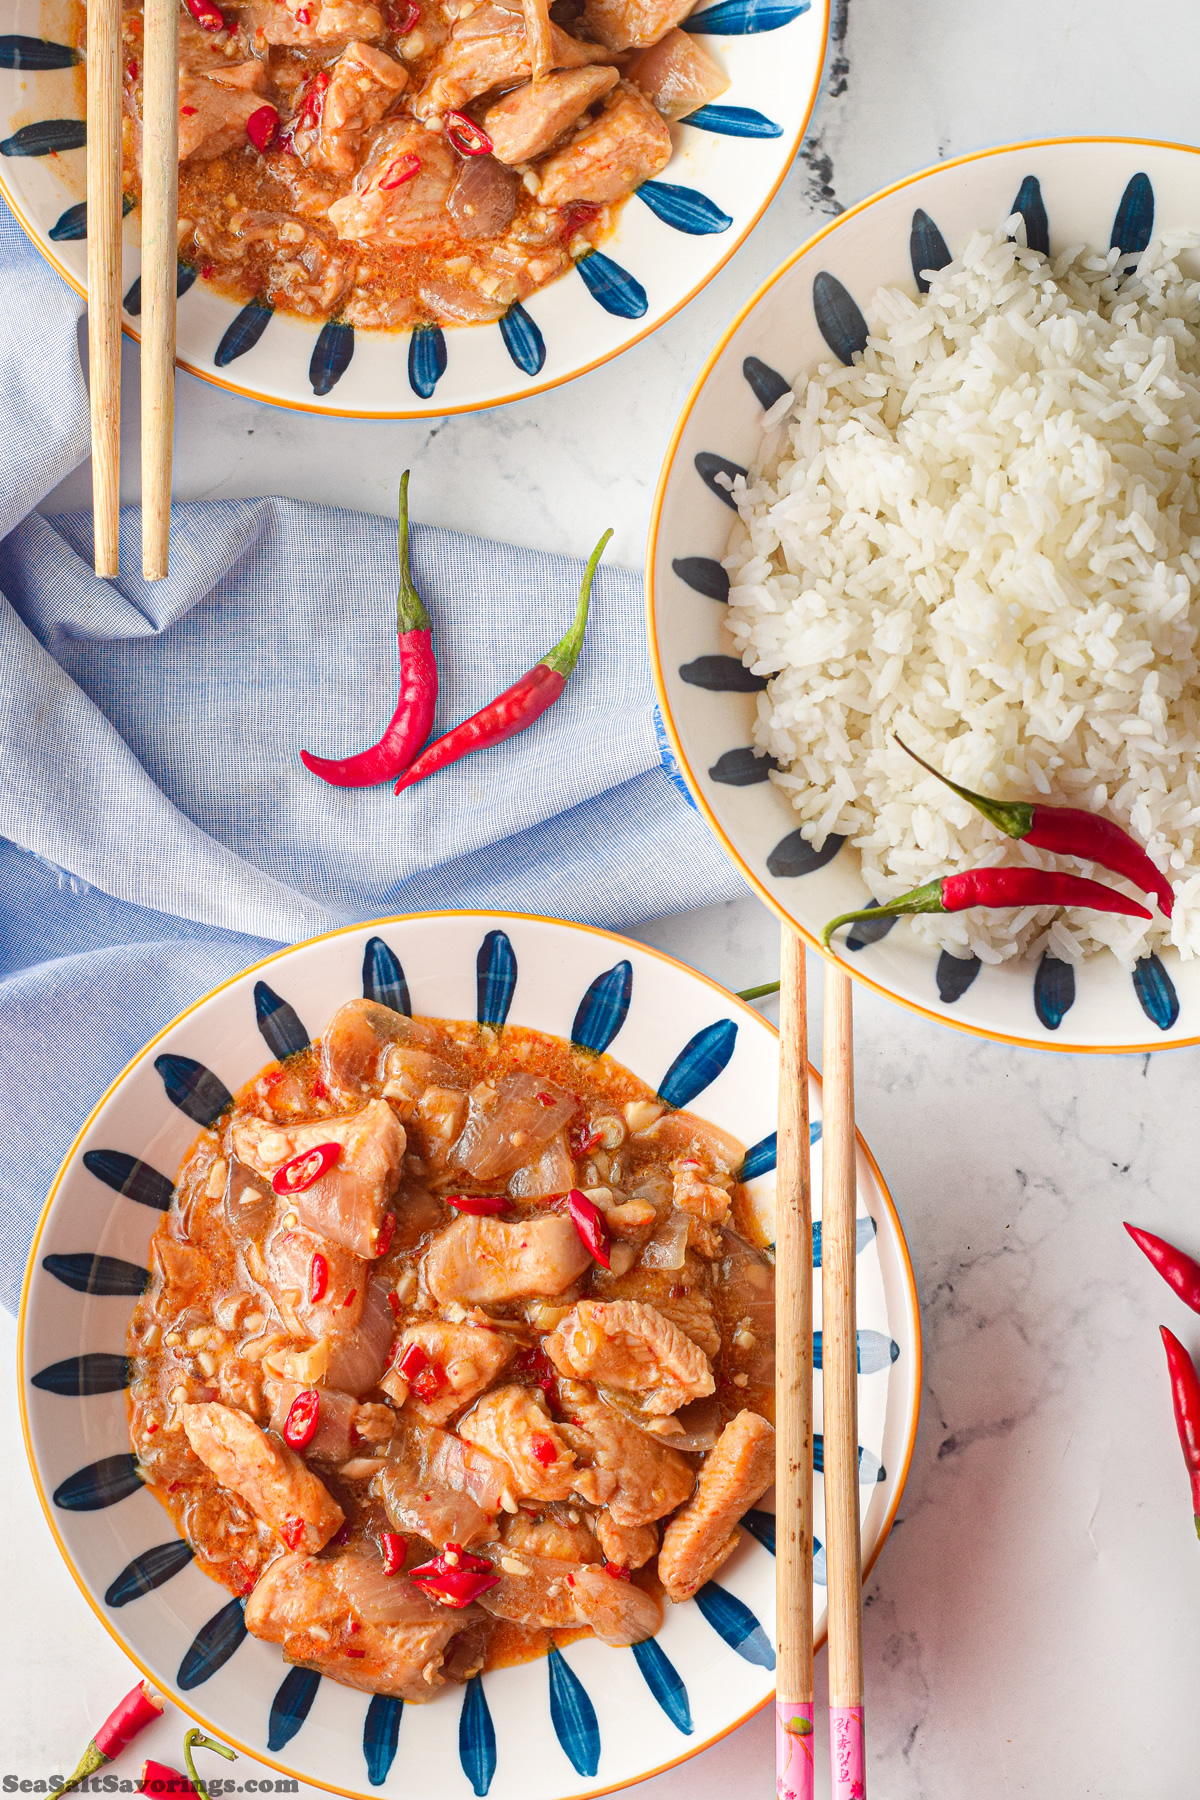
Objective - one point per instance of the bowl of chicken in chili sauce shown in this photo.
(360, 181)
(425, 1369)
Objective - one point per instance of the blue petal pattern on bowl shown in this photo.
(427, 359)
(869, 1466)
(130, 1176)
(291, 1706)
(704, 575)
(742, 768)
(46, 138)
(476, 1737)
(709, 466)
(35, 53)
(612, 286)
(722, 675)
(1032, 208)
(603, 1009)
(869, 931)
(1156, 992)
(101, 1484)
(495, 978)
(665, 1683)
(279, 1023)
(383, 979)
(1053, 991)
(955, 975)
(148, 1571)
(213, 1645)
(91, 1274)
(71, 225)
(522, 339)
(573, 1715)
(794, 855)
(838, 316)
(194, 1089)
(381, 1734)
(185, 277)
(760, 1158)
(766, 383)
(698, 1063)
(1134, 223)
(732, 1620)
(331, 356)
(97, 1372)
(733, 121)
(874, 1351)
(740, 18)
(863, 1236)
(683, 208)
(927, 248)
(245, 331)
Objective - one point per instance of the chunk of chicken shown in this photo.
(489, 1261)
(543, 1591)
(532, 118)
(440, 1488)
(344, 1424)
(632, 24)
(650, 1478)
(706, 1200)
(737, 1471)
(483, 199)
(349, 1201)
(527, 1534)
(305, 22)
(509, 1123)
(357, 1041)
(512, 1426)
(631, 1346)
(464, 1360)
(401, 193)
(628, 1546)
(300, 1604)
(288, 1254)
(179, 1271)
(678, 74)
(625, 146)
(213, 109)
(489, 49)
(363, 83)
(270, 1478)
(536, 14)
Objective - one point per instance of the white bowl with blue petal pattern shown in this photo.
(1101, 191)
(671, 238)
(589, 1718)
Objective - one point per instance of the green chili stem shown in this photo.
(1013, 817)
(196, 1740)
(565, 654)
(925, 899)
(410, 608)
(758, 993)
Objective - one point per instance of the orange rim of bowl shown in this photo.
(523, 393)
(730, 999)
(656, 513)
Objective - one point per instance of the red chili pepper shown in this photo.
(1185, 1392)
(131, 69)
(387, 1231)
(580, 1139)
(318, 1277)
(412, 720)
(425, 1377)
(1179, 1270)
(300, 1426)
(403, 20)
(533, 1365)
(544, 1449)
(468, 138)
(405, 168)
(206, 14)
(477, 1204)
(299, 1172)
(188, 112)
(590, 1223)
(262, 127)
(394, 1551)
(997, 887)
(455, 1577)
(617, 1572)
(575, 215)
(1068, 830)
(414, 1359)
(292, 1530)
(140, 1707)
(160, 1780)
(350, 1297)
(520, 704)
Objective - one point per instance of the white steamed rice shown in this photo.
(985, 536)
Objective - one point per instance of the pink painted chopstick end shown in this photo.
(793, 1749)
(847, 1753)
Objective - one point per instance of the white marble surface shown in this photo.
(1031, 1626)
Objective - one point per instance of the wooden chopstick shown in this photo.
(839, 1378)
(793, 1387)
(160, 201)
(104, 213)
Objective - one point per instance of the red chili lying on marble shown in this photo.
(1185, 1394)
(1179, 1270)
(140, 1707)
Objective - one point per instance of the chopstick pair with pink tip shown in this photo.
(105, 210)
(794, 1733)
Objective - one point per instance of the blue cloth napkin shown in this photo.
(157, 830)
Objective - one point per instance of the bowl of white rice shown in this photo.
(940, 482)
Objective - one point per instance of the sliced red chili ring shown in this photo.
(405, 168)
(318, 1277)
(478, 1203)
(617, 1572)
(394, 1551)
(385, 1234)
(302, 1170)
(261, 127)
(414, 1359)
(469, 139)
(590, 1223)
(300, 1426)
(206, 14)
(456, 1577)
